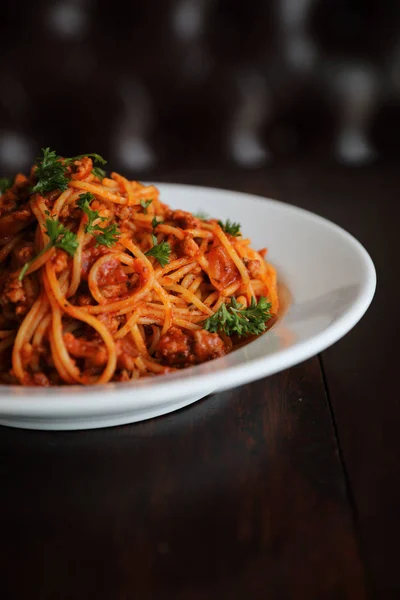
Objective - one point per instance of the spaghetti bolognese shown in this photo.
(101, 281)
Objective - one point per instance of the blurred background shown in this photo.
(158, 85)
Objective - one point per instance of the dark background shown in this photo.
(162, 84)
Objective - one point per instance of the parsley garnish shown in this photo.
(106, 236)
(160, 251)
(5, 183)
(50, 173)
(232, 318)
(59, 237)
(99, 172)
(145, 204)
(201, 215)
(96, 158)
(155, 222)
(230, 227)
(51, 170)
(84, 203)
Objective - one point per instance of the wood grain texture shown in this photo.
(240, 495)
(362, 369)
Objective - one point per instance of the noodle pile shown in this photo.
(115, 312)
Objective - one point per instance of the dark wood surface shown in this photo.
(286, 488)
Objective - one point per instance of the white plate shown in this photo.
(327, 273)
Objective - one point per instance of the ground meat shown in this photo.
(60, 261)
(254, 268)
(184, 348)
(89, 256)
(175, 347)
(70, 211)
(41, 379)
(95, 353)
(112, 292)
(80, 348)
(111, 321)
(25, 253)
(221, 268)
(84, 300)
(17, 296)
(112, 273)
(14, 290)
(125, 212)
(113, 280)
(188, 247)
(207, 346)
(184, 220)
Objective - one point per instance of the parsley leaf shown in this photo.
(160, 251)
(145, 204)
(50, 173)
(99, 172)
(95, 157)
(84, 203)
(54, 230)
(5, 183)
(51, 170)
(232, 318)
(156, 222)
(201, 215)
(106, 236)
(230, 227)
(59, 237)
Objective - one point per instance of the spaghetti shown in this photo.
(101, 281)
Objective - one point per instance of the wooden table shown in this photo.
(285, 488)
